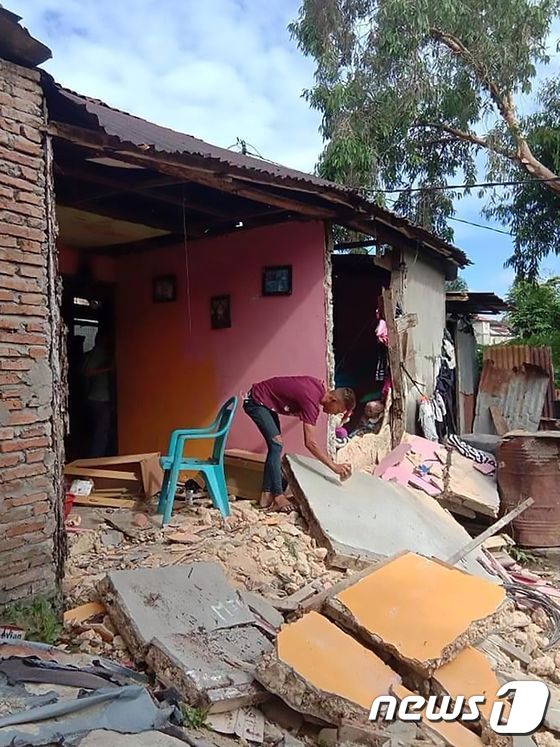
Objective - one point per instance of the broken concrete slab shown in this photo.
(356, 520)
(103, 738)
(470, 673)
(451, 734)
(467, 487)
(421, 611)
(321, 671)
(192, 628)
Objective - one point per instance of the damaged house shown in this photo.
(207, 269)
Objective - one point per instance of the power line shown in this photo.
(440, 188)
(481, 225)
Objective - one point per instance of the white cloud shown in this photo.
(217, 69)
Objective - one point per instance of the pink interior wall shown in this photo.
(104, 269)
(174, 371)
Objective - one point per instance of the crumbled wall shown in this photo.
(31, 371)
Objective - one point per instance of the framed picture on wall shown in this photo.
(220, 312)
(277, 281)
(164, 288)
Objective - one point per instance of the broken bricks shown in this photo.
(421, 611)
(193, 629)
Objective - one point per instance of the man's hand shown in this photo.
(343, 470)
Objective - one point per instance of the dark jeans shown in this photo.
(100, 425)
(268, 424)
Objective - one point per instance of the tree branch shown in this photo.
(504, 103)
(469, 137)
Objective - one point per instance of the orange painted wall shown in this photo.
(174, 371)
(104, 269)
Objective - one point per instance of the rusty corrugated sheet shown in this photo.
(528, 467)
(518, 393)
(511, 357)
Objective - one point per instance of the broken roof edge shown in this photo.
(347, 207)
(16, 43)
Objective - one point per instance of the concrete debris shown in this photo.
(466, 487)
(246, 723)
(192, 628)
(321, 671)
(103, 738)
(356, 520)
(435, 610)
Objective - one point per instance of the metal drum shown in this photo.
(529, 465)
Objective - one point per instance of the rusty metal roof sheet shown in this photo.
(512, 357)
(149, 137)
(16, 43)
(518, 380)
(467, 302)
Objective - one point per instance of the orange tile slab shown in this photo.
(453, 734)
(333, 661)
(469, 673)
(417, 606)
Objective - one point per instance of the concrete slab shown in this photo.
(452, 734)
(467, 487)
(421, 611)
(470, 673)
(192, 628)
(321, 671)
(365, 518)
(103, 737)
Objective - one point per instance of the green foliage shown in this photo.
(459, 285)
(535, 318)
(39, 619)
(530, 209)
(193, 717)
(406, 87)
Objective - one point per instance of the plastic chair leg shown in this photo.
(216, 484)
(170, 499)
(163, 492)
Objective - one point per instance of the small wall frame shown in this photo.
(277, 280)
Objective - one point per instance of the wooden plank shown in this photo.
(493, 529)
(84, 612)
(105, 474)
(406, 322)
(395, 359)
(104, 502)
(499, 421)
(107, 461)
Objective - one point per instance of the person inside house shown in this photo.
(302, 397)
(98, 368)
(372, 419)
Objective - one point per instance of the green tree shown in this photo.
(531, 210)
(459, 285)
(535, 308)
(535, 316)
(405, 88)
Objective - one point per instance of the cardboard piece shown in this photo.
(244, 473)
(84, 612)
(421, 611)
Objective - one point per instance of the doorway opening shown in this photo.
(88, 311)
(361, 360)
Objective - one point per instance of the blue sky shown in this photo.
(219, 70)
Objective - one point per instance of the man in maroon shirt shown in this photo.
(302, 397)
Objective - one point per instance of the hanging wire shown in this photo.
(524, 595)
(185, 244)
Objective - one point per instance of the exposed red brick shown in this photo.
(33, 431)
(18, 283)
(32, 272)
(15, 364)
(24, 418)
(37, 353)
(7, 268)
(24, 527)
(33, 299)
(6, 433)
(37, 455)
(23, 338)
(21, 309)
(9, 378)
(23, 470)
(10, 460)
(25, 233)
(41, 508)
(29, 258)
(28, 499)
(17, 444)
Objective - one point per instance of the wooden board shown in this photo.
(499, 421)
(244, 473)
(105, 474)
(105, 502)
(84, 612)
(395, 358)
(146, 468)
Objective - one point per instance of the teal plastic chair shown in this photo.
(212, 469)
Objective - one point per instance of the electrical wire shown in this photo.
(442, 188)
(525, 595)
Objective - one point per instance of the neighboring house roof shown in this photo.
(144, 139)
(467, 302)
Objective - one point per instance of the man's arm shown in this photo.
(311, 444)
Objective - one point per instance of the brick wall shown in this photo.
(31, 394)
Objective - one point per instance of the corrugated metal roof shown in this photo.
(467, 302)
(519, 380)
(513, 357)
(129, 129)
